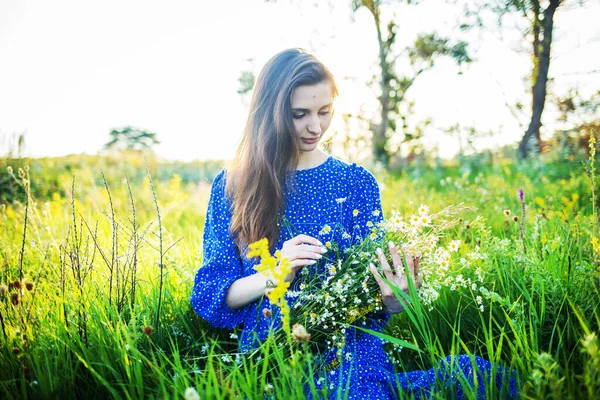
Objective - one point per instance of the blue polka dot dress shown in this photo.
(344, 196)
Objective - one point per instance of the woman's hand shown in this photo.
(395, 276)
(300, 251)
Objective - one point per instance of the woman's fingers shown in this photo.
(418, 278)
(385, 266)
(411, 266)
(300, 239)
(396, 260)
(384, 287)
(299, 247)
(299, 263)
(312, 249)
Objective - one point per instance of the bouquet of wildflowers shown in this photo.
(344, 293)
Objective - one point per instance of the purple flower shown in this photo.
(521, 194)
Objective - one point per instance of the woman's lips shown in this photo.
(309, 140)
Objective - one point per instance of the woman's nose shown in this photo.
(314, 126)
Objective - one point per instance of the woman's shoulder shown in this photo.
(354, 171)
(219, 181)
(218, 190)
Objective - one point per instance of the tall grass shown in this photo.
(95, 277)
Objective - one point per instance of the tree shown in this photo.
(131, 138)
(542, 25)
(539, 17)
(421, 55)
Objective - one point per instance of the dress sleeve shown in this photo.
(366, 212)
(221, 263)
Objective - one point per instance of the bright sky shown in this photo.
(72, 70)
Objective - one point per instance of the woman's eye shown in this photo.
(298, 116)
(324, 112)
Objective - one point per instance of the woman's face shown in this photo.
(312, 109)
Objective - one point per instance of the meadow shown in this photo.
(98, 256)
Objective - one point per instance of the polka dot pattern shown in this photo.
(344, 197)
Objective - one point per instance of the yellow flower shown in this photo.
(369, 223)
(595, 245)
(326, 229)
(328, 244)
(277, 268)
(373, 236)
(259, 249)
(376, 213)
(507, 213)
(355, 212)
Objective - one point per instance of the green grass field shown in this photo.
(98, 260)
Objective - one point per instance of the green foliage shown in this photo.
(63, 334)
(131, 138)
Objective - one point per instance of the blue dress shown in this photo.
(343, 196)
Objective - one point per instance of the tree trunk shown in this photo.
(540, 82)
(380, 130)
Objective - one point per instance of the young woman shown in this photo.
(280, 174)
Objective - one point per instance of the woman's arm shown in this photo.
(300, 251)
(246, 290)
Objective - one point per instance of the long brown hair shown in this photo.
(269, 149)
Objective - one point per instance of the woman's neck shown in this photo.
(311, 159)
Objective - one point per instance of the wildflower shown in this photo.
(259, 249)
(127, 347)
(423, 209)
(328, 244)
(29, 286)
(278, 268)
(191, 394)
(326, 229)
(299, 334)
(233, 335)
(269, 389)
(204, 349)
(507, 213)
(425, 220)
(17, 284)
(340, 200)
(376, 213)
(346, 235)
(15, 299)
(373, 236)
(454, 245)
(355, 212)
(516, 218)
(369, 224)
(148, 330)
(9, 169)
(521, 194)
